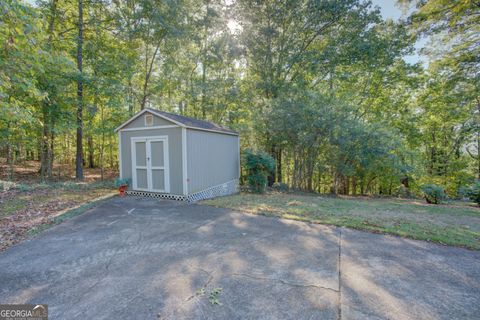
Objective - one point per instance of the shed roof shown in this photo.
(183, 121)
(193, 123)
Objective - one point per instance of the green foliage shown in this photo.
(200, 292)
(433, 193)
(473, 192)
(258, 166)
(214, 296)
(323, 86)
(121, 182)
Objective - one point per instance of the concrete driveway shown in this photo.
(148, 259)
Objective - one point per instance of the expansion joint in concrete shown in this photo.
(339, 273)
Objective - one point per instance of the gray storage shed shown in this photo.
(170, 156)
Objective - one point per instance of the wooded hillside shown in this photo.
(321, 85)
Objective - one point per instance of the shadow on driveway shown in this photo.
(136, 258)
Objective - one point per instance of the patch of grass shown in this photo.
(457, 225)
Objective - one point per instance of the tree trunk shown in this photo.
(51, 154)
(204, 62)
(102, 146)
(44, 149)
(310, 163)
(478, 138)
(110, 151)
(10, 158)
(11, 162)
(204, 92)
(369, 185)
(79, 156)
(354, 185)
(91, 162)
(131, 99)
(47, 138)
(433, 155)
(334, 188)
(295, 170)
(273, 175)
(148, 74)
(478, 155)
(279, 165)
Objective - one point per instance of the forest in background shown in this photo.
(321, 85)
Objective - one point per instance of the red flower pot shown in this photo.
(122, 191)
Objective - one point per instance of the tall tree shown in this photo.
(290, 43)
(453, 28)
(79, 154)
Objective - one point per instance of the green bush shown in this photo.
(462, 192)
(280, 186)
(258, 166)
(433, 193)
(474, 192)
(121, 182)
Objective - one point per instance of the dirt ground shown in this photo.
(28, 172)
(28, 205)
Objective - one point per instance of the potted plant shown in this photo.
(122, 185)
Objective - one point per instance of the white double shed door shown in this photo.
(150, 169)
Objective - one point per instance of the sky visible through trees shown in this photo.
(333, 90)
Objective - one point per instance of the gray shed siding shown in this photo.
(174, 151)
(140, 122)
(212, 159)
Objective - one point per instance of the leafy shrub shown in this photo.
(121, 182)
(280, 186)
(258, 166)
(433, 193)
(474, 192)
(463, 192)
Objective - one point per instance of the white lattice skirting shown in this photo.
(223, 189)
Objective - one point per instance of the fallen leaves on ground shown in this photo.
(39, 209)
